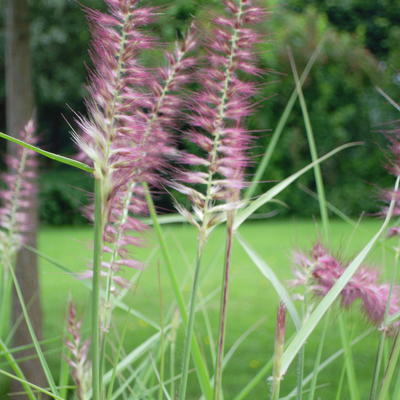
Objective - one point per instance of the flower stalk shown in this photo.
(278, 352)
(97, 262)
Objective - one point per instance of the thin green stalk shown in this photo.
(162, 340)
(115, 362)
(32, 333)
(38, 388)
(348, 358)
(201, 368)
(190, 325)
(278, 351)
(262, 165)
(300, 373)
(387, 380)
(255, 381)
(224, 307)
(97, 259)
(379, 357)
(396, 392)
(313, 150)
(340, 386)
(64, 371)
(317, 362)
(18, 372)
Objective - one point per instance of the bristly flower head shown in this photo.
(393, 167)
(16, 197)
(131, 112)
(319, 271)
(219, 108)
(79, 349)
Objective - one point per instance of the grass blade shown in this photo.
(37, 388)
(349, 363)
(201, 367)
(276, 283)
(313, 149)
(329, 361)
(48, 154)
(306, 330)
(274, 191)
(14, 365)
(262, 165)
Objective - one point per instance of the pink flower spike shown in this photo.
(320, 270)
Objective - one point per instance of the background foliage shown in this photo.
(360, 52)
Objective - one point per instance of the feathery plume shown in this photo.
(16, 197)
(79, 349)
(218, 111)
(131, 112)
(319, 271)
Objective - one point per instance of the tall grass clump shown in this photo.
(182, 125)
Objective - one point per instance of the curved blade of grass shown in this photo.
(118, 303)
(32, 333)
(48, 154)
(229, 354)
(14, 365)
(255, 381)
(388, 98)
(309, 326)
(330, 206)
(329, 361)
(37, 388)
(313, 149)
(133, 356)
(270, 275)
(262, 165)
(201, 367)
(128, 360)
(274, 191)
(390, 369)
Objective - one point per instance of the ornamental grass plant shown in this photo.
(131, 143)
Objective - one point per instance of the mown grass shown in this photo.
(252, 298)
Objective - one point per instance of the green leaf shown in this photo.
(53, 156)
(313, 320)
(274, 191)
(270, 275)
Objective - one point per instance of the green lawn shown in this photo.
(252, 298)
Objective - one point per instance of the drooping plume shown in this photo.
(319, 271)
(219, 109)
(16, 197)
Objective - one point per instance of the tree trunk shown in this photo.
(19, 105)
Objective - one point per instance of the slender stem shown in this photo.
(313, 151)
(348, 358)
(97, 257)
(278, 351)
(269, 151)
(394, 356)
(317, 363)
(29, 325)
(190, 324)
(18, 372)
(379, 356)
(300, 373)
(223, 307)
(201, 368)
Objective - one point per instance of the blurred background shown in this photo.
(361, 52)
